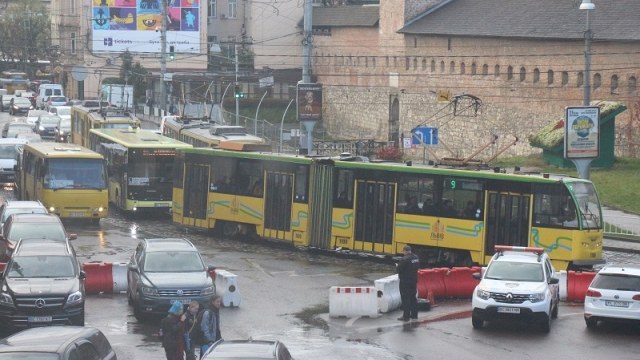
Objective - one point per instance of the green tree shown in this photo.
(133, 74)
(25, 30)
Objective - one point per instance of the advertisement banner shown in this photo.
(581, 132)
(309, 100)
(134, 25)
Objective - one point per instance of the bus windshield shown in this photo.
(151, 169)
(75, 174)
(588, 204)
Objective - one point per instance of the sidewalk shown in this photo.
(623, 221)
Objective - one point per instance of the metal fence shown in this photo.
(622, 227)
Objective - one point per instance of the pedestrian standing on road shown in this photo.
(211, 324)
(170, 331)
(190, 324)
(408, 276)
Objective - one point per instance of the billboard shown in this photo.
(134, 25)
(582, 132)
(309, 100)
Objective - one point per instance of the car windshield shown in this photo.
(515, 271)
(17, 210)
(173, 261)
(28, 356)
(63, 111)
(36, 231)
(49, 120)
(65, 124)
(616, 282)
(58, 99)
(21, 101)
(18, 129)
(8, 151)
(43, 266)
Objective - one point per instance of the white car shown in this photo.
(32, 116)
(519, 284)
(613, 295)
(62, 111)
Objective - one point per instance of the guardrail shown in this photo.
(622, 226)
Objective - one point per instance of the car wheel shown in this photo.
(137, 313)
(477, 322)
(592, 323)
(78, 320)
(545, 326)
(554, 312)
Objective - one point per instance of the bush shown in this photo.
(390, 153)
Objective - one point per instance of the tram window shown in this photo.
(343, 192)
(462, 198)
(417, 196)
(552, 206)
(247, 178)
(221, 176)
(302, 175)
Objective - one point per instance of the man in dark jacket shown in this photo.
(408, 276)
(171, 334)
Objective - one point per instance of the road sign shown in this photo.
(425, 135)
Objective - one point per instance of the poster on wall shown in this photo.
(309, 100)
(134, 25)
(582, 132)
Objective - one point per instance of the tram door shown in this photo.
(507, 220)
(196, 191)
(277, 204)
(375, 202)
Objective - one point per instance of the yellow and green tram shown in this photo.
(140, 165)
(201, 133)
(450, 216)
(83, 119)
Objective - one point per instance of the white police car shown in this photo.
(519, 284)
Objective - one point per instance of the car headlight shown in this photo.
(75, 298)
(207, 291)
(41, 128)
(5, 299)
(483, 294)
(536, 297)
(147, 290)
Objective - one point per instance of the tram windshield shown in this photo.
(588, 204)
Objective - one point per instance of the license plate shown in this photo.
(508, 310)
(163, 204)
(183, 301)
(76, 214)
(39, 319)
(622, 304)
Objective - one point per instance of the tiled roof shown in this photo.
(366, 15)
(551, 19)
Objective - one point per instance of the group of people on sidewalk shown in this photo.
(183, 332)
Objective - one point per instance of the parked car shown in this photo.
(10, 207)
(163, 271)
(8, 154)
(56, 101)
(12, 128)
(63, 130)
(31, 226)
(613, 295)
(62, 343)
(247, 349)
(54, 267)
(46, 126)
(5, 99)
(32, 116)
(20, 105)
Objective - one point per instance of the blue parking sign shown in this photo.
(424, 135)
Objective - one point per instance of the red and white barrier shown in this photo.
(388, 292)
(577, 284)
(227, 288)
(353, 301)
(106, 278)
(562, 289)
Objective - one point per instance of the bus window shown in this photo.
(75, 173)
(343, 191)
(302, 178)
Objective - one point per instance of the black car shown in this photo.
(62, 342)
(20, 105)
(163, 271)
(42, 285)
(46, 126)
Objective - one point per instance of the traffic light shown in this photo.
(238, 92)
(172, 53)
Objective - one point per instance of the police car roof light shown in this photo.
(536, 250)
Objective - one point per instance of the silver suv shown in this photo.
(518, 284)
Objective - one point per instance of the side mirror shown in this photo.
(554, 280)
(83, 275)
(133, 267)
(73, 236)
(211, 268)
(477, 276)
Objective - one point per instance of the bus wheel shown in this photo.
(229, 229)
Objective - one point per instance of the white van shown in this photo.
(45, 91)
(9, 148)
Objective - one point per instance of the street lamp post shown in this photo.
(588, 35)
(235, 52)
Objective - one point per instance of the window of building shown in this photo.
(485, 70)
(536, 75)
(407, 63)
(387, 60)
(233, 9)
(73, 43)
(441, 66)
(463, 68)
(474, 68)
(212, 8)
(373, 62)
(550, 77)
(565, 78)
(580, 79)
(632, 85)
(496, 71)
(72, 3)
(597, 81)
(433, 66)
(510, 73)
(452, 67)
(523, 74)
(614, 84)
(415, 64)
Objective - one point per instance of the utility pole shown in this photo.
(235, 50)
(163, 56)
(306, 66)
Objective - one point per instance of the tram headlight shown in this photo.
(52, 209)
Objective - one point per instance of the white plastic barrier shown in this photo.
(388, 292)
(227, 288)
(353, 301)
(562, 275)
(119, 276)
